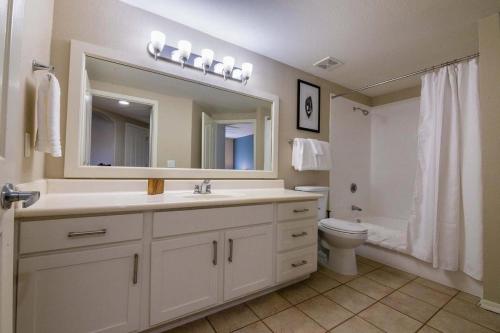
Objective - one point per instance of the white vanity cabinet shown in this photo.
(248, 261)
(80, 275)
(82, 291)
(185, 275)
(131, 272)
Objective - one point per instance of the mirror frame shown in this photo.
(75, 125)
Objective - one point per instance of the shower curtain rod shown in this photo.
(425, 70)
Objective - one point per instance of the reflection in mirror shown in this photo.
(138, 118)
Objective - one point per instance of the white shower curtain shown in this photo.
(446, 224)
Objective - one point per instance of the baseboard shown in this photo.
(489, 305)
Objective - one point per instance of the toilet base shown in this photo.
(342, 261)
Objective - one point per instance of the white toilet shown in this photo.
(338, 237)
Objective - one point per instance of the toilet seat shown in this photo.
(342, 226)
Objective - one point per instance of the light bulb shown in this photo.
(184, 47)
(246, 71)
(157, 41)
(228, 64)
(207, 57)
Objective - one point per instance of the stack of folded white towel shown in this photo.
(310, 154)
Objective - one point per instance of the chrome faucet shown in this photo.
(356, 208)
(204, 188)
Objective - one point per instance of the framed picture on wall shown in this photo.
(308, 106)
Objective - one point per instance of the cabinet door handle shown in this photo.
(214, 260)
(75, 234)
(136, 268)
(230, 258)
(303, 262)
(303, 233)
(301, 210)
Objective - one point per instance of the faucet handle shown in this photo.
(196, 189)
(208, 188)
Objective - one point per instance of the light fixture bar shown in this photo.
(216, 67)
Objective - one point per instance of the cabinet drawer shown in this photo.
(46, 235)
(297, 263)
(297, 210)
(189, 221)
(292, 235)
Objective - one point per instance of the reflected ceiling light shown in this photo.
(184, 48)
(228, 64)
(123, 102)
(246, 72)
(207, 57)
(157, 42)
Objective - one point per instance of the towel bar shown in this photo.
(36, 66)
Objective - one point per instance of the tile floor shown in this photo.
(378, 299)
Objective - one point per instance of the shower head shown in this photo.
(365, 112)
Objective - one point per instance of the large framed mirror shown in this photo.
(129, 119)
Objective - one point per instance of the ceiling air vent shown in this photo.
(328, 63)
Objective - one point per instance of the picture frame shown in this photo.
(308, 106)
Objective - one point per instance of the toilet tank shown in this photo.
(322, 202)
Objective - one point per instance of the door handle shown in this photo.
(230, 258)
(9, 195)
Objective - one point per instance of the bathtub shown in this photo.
(386, 244)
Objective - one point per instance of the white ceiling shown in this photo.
(376, 39)
(136, 111)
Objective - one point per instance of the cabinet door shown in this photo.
(248, 261)
(85, 291)
(184, 275)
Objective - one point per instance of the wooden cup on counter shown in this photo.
(156, 186)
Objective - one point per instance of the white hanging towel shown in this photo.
(47, 113)
(310, 154)
(321, 152)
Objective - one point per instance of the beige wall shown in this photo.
(489, 93)
(128, 29)
(36, 45)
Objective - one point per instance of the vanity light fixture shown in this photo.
(205, 62)
(228, 65)
(157, 42)
(184, 51)
(123, 102)
(246, 72)
(207, 58)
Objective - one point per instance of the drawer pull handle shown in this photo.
(136, 268)
(303, 233)
(303, 262)
(214, 260)
(74, 234)
(230, 258)
(301, 210)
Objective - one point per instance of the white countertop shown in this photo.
(60, 204)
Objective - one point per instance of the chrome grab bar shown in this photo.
(74, 234)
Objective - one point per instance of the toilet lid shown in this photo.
(343, 226)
